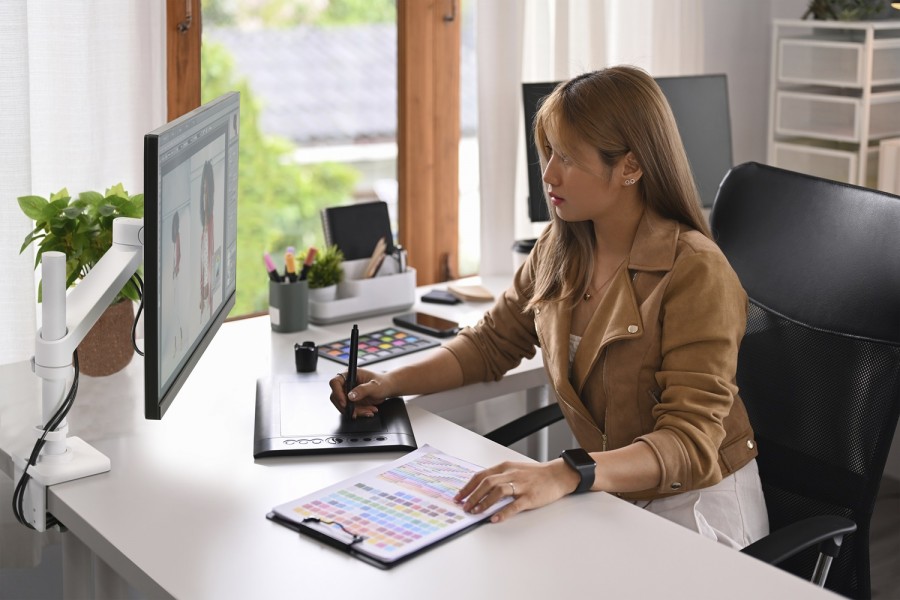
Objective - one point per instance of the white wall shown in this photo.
(738, 41)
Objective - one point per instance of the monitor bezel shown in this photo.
(155, 403)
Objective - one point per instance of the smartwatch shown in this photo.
(583, 464)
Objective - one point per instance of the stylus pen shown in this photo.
(351, 370)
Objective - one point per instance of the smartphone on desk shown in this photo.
(428, 324)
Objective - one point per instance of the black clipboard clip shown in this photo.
(355, 538)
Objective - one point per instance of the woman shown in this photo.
(639, 317)
(207, 239)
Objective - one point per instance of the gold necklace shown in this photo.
(588, 295)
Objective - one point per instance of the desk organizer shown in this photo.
(389, 292)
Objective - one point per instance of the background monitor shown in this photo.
(190, 242)
(700, 106)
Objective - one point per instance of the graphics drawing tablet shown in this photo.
(295, 417)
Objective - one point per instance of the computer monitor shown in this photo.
(190, 242)
(700, 106)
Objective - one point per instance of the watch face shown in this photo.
(579, 457)
(581, 461)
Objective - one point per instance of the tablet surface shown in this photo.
(295, 417)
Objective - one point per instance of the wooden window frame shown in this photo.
(428, 123)
(428, 133)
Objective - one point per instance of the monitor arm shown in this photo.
(66, 321)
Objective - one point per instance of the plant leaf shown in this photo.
(54, 208)
(63, 193)
(72, 212)
(94, 198)
(32, 206)
(28, 239)
(117, 190)
(106, 210)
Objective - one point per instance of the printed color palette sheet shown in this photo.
(379, 345)
(393, 510)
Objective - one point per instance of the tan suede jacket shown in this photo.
(656, 363)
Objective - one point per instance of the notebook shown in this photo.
(391, 513)
(356, 228)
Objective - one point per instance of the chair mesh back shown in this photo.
(823, 407)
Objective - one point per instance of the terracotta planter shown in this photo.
(107, 347)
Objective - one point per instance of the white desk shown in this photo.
(182, 512)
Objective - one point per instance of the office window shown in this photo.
(318, 81)
(438, 57)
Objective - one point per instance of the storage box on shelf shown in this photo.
(889, 166)
(390, 291)
(835, 93)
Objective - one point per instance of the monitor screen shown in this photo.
(700, 106)
(190, 242)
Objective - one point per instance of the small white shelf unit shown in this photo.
(835, 94)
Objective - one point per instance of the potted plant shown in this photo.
(325, 273)
(81, 228)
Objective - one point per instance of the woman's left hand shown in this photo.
(531, 485)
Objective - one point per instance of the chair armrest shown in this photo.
(796, 537)
(525, 425)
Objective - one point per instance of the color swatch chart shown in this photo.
(379, 345)
(397, 509)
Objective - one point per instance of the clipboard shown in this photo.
(391, 513)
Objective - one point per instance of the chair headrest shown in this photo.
(824, 253)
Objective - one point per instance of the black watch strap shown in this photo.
(581, 461)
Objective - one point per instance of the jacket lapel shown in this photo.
(618, 316)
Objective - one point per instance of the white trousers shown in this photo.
(731, 512)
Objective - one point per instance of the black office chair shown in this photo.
(819, 367)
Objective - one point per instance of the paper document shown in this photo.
(393, 510)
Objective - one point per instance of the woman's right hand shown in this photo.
(369, 392)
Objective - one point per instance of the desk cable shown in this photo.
(138, 285)
(52, 424)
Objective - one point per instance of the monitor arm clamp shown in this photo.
(66, 320)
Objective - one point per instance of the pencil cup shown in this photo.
(288, 306)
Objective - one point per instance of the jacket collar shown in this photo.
(654, 245)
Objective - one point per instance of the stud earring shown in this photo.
(629, 182)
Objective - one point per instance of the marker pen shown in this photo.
(290, 266)
(310, 258)
(270, 267)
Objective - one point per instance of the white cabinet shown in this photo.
(835, 94)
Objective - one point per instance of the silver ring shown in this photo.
(342, 376)
(512, 486)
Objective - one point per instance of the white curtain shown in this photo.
(552, 40)
(82, 81)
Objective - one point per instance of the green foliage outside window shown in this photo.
(279, 202)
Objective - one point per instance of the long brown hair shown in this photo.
(616, 110)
